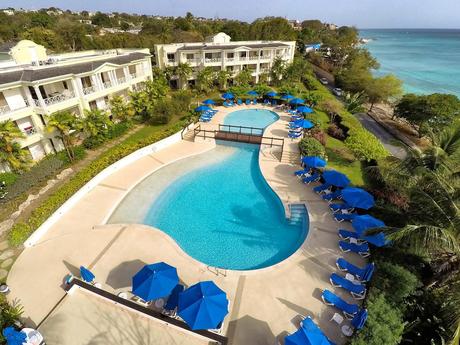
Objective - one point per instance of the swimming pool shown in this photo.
(258, 118)
(218, 207)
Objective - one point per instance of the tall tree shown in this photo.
(277, 71)
(222, 79)
(383, 90)
(183, 71)
(243, 78)
(11, 152)
(121, 110)
(68, 127)
(96, 123)
(205, 79)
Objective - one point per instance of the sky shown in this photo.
(359, 13)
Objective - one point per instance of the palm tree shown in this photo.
(121, 110)
(205, 79)
(277, 70)
(96, 123)
(183, 71)
(222, 78)
(11, 152)
(68, 126)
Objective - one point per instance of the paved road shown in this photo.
(387, 139)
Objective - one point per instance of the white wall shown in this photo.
(14, 98)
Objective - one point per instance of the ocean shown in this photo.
(427, 60)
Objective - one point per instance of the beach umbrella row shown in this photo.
(155, 281)
(202, 108)
(357, 197)
(304, 109)
(208, 102)
(336, 178)
(314, 162)
(308, 334)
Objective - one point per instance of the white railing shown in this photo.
(89, 90)
(121, 80)
(4, 109)
(230, 59)
(36, 102)
(254, 58)
(264, 70)
(193, 60)
(265, 57)
(133, 75)
(107, 84)
(59, 98)
(213, 60)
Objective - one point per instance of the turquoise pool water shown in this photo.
(258, 118)
(217, 205)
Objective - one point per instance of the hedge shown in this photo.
(311, 147)
(21, 231)
(8, 177)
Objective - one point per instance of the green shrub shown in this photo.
(55, 200)
(93, 142)
(384, 324)
(8, 177)
(78, 151)
(118, 129)
(364, 145)
(311, 147)
(40, 172)
(395, 281)
(19, 233)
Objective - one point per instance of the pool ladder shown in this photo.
(217, 271)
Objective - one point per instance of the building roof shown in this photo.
(233, 46)
(34, 74)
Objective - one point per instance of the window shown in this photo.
(243, 54)
(171, 57)
(190, 56)
(208, 55)
(33, 93)
(230, 55)
(42, 91)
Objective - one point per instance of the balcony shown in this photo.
(61, 97)
(4, 109)
(107, 84)
(213, 60)
(89, 90)
(230, 59)
(254, 57)
(121, 80)
(133, 75)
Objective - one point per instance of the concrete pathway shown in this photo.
(264, 304)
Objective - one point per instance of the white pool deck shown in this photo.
(264, 304)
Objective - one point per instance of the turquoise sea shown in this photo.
(426, 60)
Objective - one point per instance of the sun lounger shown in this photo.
(345, 234)
(266, 102)
(303, 172)
(349, 310)
(361, 249)
(239, 102)
(294, 135)
(248, 102)
(254, 101)
(315, 177)
(363, 274)
(332, 196)
(173, 301)
(321, 188)
(340, 217)
(341, 207)
(358, 291)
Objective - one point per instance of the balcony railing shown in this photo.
(133, 75)
(121, 80)
(254, 57)
(89, 90)
(6, 108)
(59, 98)
(213, 60)
(193, 60)
(107, 84)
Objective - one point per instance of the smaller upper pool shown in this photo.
(258, 118)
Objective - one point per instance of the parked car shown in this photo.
(324, 81)
(337, 91)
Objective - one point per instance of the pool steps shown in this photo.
(298, 215)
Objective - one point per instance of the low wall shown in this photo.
(155, 147)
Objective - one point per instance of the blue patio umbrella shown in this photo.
(359, 320)
(304, 109)
(228, 95)
(86, 274)
(308, 334)
(287, 96)
(202, 108)
(378, 240)
(314, 161)
(364, 222)
(306, 124)
(208, 102)
(296, 101)
(14, 337)
(155, 281)
(252, 93)
(336, 178)
(271, 94)
(203, 306)
(357, 197)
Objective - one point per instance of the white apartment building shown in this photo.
(220, 53)
(34, 85)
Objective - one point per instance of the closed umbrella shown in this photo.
(378, 240)
(202, 108)
(304, 109)
(228, 95)
(86, 274)
(208, 102)
(308, 334)
(314, 161)
(271, 94)
(359, 320)
(357, 197)
(155, 281)
(14, 337)
(203, 306)
(336, 178)
(296, 101)
(364, 222)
